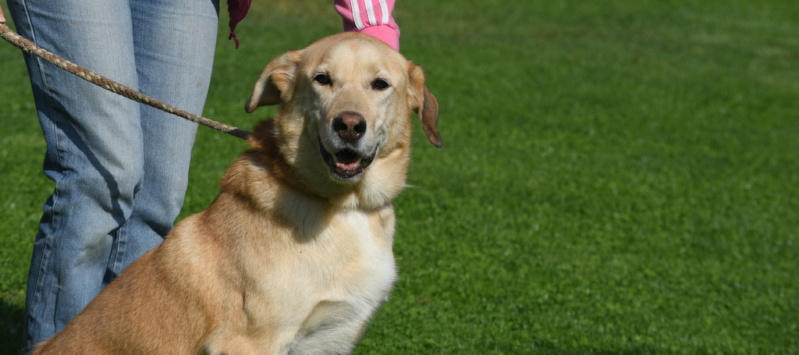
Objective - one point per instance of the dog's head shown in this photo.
(345, 105)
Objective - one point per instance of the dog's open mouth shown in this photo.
(345, 163)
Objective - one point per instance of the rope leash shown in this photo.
(110, 85)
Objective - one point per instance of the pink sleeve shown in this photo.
(372, 17)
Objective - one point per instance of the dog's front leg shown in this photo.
(332, 328)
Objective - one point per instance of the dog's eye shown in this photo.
(323, 79)
(380, 84)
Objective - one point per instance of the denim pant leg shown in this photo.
(174, 44)
(93, 154)
(97, 152)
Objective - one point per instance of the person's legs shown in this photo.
(94, 152)
(174, 41)
(120, 168)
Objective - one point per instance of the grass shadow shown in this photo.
(11, 323)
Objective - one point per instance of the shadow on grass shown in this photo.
(11, 317)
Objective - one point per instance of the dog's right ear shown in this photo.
(424, 103)
(276, 82)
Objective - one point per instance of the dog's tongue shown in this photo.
(347, 163)
(348, 166)
(347, 160)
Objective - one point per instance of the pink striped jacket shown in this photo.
(372, 17)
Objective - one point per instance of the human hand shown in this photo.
(2, 18)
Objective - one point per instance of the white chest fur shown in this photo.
(340, 276)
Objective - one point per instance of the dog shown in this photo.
(294, 256)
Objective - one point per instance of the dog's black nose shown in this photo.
(349, 125)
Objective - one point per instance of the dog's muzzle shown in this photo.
(347, 162)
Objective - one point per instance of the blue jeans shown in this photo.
(120, 168)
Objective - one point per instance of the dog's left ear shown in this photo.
(424, 104)
(276, 82)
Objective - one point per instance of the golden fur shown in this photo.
(294, 255)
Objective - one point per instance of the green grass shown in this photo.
(618, 177)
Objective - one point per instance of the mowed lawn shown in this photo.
(617, 177)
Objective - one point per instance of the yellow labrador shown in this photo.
(294, 255)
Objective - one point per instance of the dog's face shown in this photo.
(346, 102)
